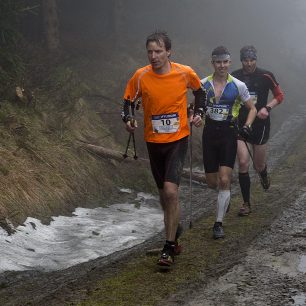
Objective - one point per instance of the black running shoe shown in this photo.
(178, 248)
(166, 259)
(245, 209)
(265, 182)
(218, 231)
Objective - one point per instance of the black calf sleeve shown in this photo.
(170, 243)
(245, 185)
(264, 172)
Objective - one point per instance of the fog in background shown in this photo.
(275, 27)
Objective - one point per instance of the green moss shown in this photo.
(139, 282)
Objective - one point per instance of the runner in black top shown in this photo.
(259, 83)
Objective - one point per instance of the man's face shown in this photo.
(221, 67)
(158, 56)
(248, 65)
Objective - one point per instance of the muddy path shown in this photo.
(270, 271)
(251, 273)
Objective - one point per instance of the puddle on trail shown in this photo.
(302, 264)
(302, 259)
(291, 262)
(299, 300)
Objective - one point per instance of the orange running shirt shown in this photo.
(164, 101)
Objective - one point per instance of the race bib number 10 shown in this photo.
(167, 123)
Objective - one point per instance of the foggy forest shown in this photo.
(64, 66)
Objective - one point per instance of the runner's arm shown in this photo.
(199, 102)
(131, 94)
(278, 94)
(125, 111)
(198, 108)
(127, 117)
(278, 97)
(252, 112)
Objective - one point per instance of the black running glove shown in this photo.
(245, 132)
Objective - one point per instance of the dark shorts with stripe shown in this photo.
(219, 142)
(167, 161)
(260, 131)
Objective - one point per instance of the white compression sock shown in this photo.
(224, 197)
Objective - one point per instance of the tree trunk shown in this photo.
(51, 25)
(117, 22)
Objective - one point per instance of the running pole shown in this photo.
(134, 145)
(125, 155)
(190, 177)
(251, 156)
(133, 121)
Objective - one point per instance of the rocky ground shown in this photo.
(272, 272)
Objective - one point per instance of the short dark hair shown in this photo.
(220, 50)
(159, 37)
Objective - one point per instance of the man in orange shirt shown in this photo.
(163, 86)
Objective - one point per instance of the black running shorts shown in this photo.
(260, 131)
(219, 142)
(167, 161)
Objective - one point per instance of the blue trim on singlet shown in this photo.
(230, 97)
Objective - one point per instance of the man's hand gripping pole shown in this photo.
(129, 118)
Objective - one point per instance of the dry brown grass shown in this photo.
(45, 172)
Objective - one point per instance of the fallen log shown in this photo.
(115, 155)
(103, 152)
(196, 176)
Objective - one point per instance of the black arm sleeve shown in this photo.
(200, 102)
(125, 112)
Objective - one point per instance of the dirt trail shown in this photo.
(270, 271)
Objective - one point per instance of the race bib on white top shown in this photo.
(254, 97)
(218, 112)
(166, 123)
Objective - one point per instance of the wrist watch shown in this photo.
(248, 126)
(268, 108)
